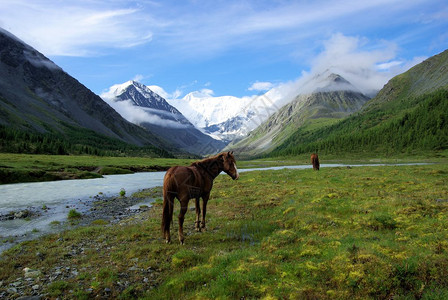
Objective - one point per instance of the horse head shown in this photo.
(229, 165)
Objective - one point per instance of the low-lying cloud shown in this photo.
(367, 67)
(140, 115)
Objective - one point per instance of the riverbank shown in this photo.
(99, 209)
(375, 232)
(104, 211)
(15, 168)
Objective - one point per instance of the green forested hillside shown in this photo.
(410, 114)
(309, 110)
(417, 124)
(76, 141)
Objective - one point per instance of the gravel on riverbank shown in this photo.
(103, 210)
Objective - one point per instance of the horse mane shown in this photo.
(205, 163)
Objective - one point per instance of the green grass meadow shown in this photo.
(339, 233)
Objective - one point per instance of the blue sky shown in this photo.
(237, 48)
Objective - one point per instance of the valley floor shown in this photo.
(15, 168)
(368, 232)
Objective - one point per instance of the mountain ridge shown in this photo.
(334, 100)
(422, 78)
(36, 95)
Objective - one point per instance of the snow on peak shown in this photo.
(118, 89)
(202, 109)
(139, 104)
(115, 90)
(227, 116)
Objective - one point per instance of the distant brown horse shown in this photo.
(315, 161)
(195, 181)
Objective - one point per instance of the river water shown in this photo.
(58, 197)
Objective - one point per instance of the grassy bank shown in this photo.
(375, 232)
(28, 168)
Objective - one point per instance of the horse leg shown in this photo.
(183, 210)
(204, 209)
(167, 215)
(197, 223)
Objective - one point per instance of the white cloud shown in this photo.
(255, 24)
(368, 66)
(189, 28)
(127, 110)
(160, 91)
(75, 28)
(204, 93)
(261, 86)
(139, 115)
(388, 65)
(181, 91)
(138, 77)
(409, 64)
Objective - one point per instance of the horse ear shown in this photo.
(230, 152)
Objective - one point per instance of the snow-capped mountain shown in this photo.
(214, 115)
(229, 118)
(204, 110)
(131, 96)
(140, 105)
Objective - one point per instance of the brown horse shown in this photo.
(195, 181)
(315, 161)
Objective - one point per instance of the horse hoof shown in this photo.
(168, 241)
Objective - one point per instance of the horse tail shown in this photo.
(167, 215)
(168, 203)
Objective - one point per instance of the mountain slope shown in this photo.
(426, 77)
(38, 96)
(409, 114)
(334, 100)
(140, 105)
